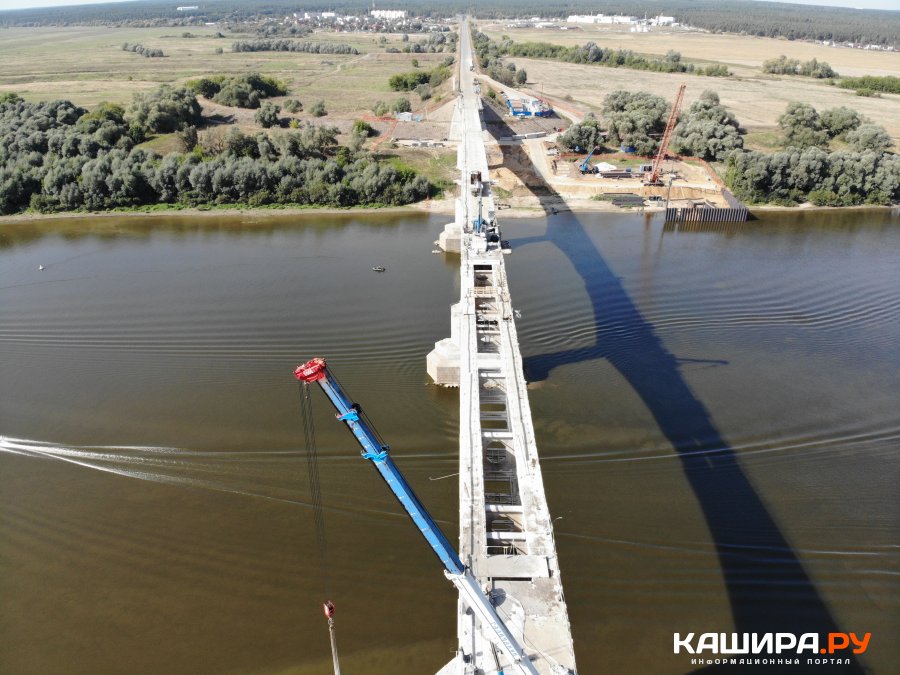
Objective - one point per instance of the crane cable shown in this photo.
(315, 490)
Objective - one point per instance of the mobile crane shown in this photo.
(373, 449)
(585, 166)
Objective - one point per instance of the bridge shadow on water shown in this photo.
(768, 588)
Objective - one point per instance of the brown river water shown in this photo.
(717, 412)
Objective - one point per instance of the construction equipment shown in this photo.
(315, 491)
(376, 451)
(585, 166)
(329, 614)
(652, 177)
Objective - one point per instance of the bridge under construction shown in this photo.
(506, 532)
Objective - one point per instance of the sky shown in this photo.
(860, 4)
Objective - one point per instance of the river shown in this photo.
(716, 412)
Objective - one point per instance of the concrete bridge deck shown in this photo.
(506, 533)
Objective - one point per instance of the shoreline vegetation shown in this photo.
(439, 207)
(55, 156)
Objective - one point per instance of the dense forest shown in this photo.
(55, 156)
(770, 19)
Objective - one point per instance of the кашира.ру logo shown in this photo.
(786, 647)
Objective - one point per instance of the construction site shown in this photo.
(531, 169)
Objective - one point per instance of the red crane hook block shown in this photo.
(311, 371)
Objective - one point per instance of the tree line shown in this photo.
(489, 55)
(794, 175)
(590, 53)
(888, 84)
(806, 170)
(280, 45)
(147, 52)
(490, 51)
(55, 156)
(785, 66)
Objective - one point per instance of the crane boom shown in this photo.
(585, 166)
(653, 178)
(316, 370)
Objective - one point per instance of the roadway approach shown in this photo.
(506, 533)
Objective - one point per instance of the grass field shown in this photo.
(756, 98)
(757, 102)
(741, 53)
(87, 65)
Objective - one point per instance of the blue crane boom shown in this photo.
(585, 166)
(376, 452)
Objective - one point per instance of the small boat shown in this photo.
(378, 268)
(40, 268)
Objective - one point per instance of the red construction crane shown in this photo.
(653, 176)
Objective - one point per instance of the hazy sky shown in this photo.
(862, 4)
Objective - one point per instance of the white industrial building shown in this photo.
(390, 14)
(601, 18)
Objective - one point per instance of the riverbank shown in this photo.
(430, 206)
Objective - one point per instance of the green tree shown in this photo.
(584, 136)
(364, 128)
(869, 137)
(635, 119)
(802, 126)
(401, 105)
(267, 115)
(707, 129)
(188, 138)
(838, 121)
(165, 110)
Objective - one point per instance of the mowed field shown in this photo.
(87, 65)
(756, 98)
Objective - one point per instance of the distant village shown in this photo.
(377, 21)
(398, 20)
